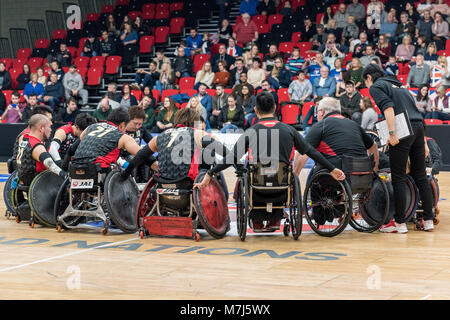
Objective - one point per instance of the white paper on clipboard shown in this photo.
(402, 128)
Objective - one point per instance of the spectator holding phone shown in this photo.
(14, 111)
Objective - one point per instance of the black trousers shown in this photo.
(414, 148)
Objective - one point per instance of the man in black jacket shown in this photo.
(63, 57)
(92, 47)
(350, 102)
(235, 73)
(222, 55)
(68, 114)
(393, 99)
(53, 92)
(107, 45)
(182, 65)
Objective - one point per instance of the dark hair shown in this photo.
(136, 112)
(23, 68)
(16, 94)
(119, 115)
(84, 120)
(420, 97)
(374, 71)
(186, 117)
(265, 103)
(349, 83)
(32, 94)
(71, 99)
(41, 110)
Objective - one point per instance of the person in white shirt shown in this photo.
(440, 108)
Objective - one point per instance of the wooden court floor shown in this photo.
(41, 263)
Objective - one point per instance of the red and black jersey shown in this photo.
(99, 145)
(70, 139)
(27, 167)
(336, 135)
(16, 143)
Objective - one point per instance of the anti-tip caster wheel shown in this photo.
(196, 236)
(104, 231)
(286, 229)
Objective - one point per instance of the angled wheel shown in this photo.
(145, 203)
(327, 204)
(242, 207)
(295, 208)
(7, 195)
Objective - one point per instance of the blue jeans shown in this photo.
(146, 81)
(437, 115)
(52, 102)
(274, 84)
(229, 128)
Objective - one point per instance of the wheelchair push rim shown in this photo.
(7, 194)
(333, 221)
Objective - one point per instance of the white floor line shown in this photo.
(65, 255)
(426, 297)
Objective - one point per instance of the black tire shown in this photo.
(61, 204)
(7, 197)
(296, 208)
(242, 208)
(342, 190)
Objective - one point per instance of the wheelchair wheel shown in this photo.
(327, 204)
(295, 208)
(369, 213)
(242, 207)
(146, 203)
(7, 191)
(61, 203)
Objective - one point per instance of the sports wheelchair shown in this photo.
(34, 202)
(174, 208)
(436, 211)
(93, 194)
(260, 189)
(331, 205)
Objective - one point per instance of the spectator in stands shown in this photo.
(369, 56)
(419, 74)
(63, 56)
(280, 77)
(182, 65)
(295, 62)
(218, 102)
(33, 87)
(165, 117)
(111, 26)
(269, 58)
(300, 90)
(42, 79)
(405, 27)
(205, 98)
(422, 7)
(440, 108)
(207, 43)
(421, 46)
(287, 9)
(358, 11)
(222, 76)
(341, 18)
(356, 73)
(308, 30)
(266, 7)
(146, 78)
(391, 67)
(231, 117)
(389, 26)
(440, 75)
(324, 86)
(225, 32)
(265, 86)
(205, 75)
(149, 93)
(141, 27)
(327, 16)
(112, 93)
(14, 111)
(248, 7)
(224, 9)
(233, 49)
(242, 81)
(369, 116)
(350, 102)
(330, 43)
(331, 55)
(5, 78)
(194, 42)
(423, 101)
(195, 104)
(246, 31)
(424, 25)
(442, 7)
(439, 30)
(373, 19)
(24, 77)
(102, 113)
(350, 32)
(319, 38)
(127, 100)
(147, 103)
(383, 49)
(405, 51)
(74, 87)
(160, 59)
(337, 70)
(256, 74)
(247, 101)
(57, 69)
(107, 45)
(221, 55)
(358, 46)
(126, 19)
(27, 111)
(331, 28)
(314, 66)
(235, 73)
(53, 92)
(2, 102)
(129, 39)
(68, 114)
(431, 56)
(166, 78)
(249, 55)
(92, 47)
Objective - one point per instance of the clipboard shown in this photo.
(402, 128)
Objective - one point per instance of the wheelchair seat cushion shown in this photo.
(184, 183)
(359, 173)
(89, 171)
(270, 196)
(268, 176)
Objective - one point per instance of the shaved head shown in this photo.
(38, 120)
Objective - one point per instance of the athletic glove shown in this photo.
(15, 183)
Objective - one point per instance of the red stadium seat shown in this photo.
(163, 6)
(137, 94)
(274, 19)
(161, 34)
(134, 14)
(263, 28)
(122, 2)
(286, 47)
(93, 16)
(364, 92)
(335, 7)
(82, 42)
(176, 6)
(289, 114)
(259, 19)
(94, 76)
(283, 95)
(146, 43)
(189, 92)
(42, 44)
(402, 78)
(446, 122)
(229, 91)
(199, 61)
(18, 63)
(148, 15)
(305, 110)
(162, 14)
(14, 74)
(97, 62)
(113, 64)
(296, 37)
(107, 9)
(23, 53)
(156, 94)
(176, 25)
(211, 92)
(59, 34)
(8, 62)
(73, 52)
(148, 7)
(82, 62)
(433, 121)
(319, 17)
(168, 93)
(82, 71)
(183, 105)
(186, 83)
(304, 47)
(8, 94)
(35, 63)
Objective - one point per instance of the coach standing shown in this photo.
(392, 99)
